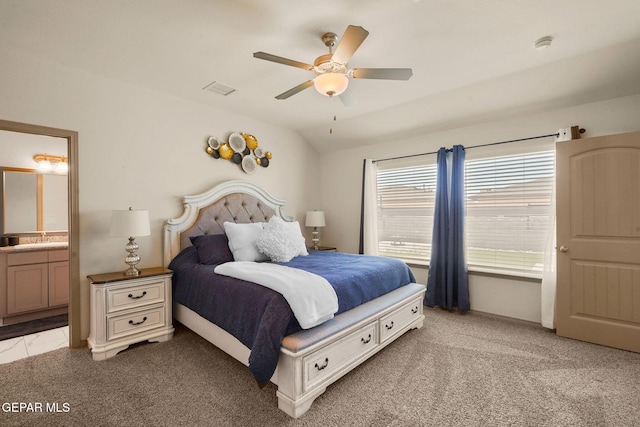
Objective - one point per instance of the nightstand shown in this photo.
(324, 248)
(129, 309)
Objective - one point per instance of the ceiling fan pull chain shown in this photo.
(334, 119)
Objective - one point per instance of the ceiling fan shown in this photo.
(332, 73)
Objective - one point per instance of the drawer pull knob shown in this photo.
(414, 310)
(139, 296)
(324, 365)
(131, 322)
(389, 326)
(366, 341)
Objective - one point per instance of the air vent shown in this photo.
(217, 87)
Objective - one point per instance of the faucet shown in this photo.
(43, 236)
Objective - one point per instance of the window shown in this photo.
(508, 202)
(405, 202)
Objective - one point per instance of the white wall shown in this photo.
(143, 149)
(341, 181)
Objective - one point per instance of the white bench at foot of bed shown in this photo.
(312, 359)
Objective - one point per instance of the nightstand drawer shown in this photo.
(150, 292)
(133, 323)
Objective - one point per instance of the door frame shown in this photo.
(75, 337)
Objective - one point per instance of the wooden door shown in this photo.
(598, 232)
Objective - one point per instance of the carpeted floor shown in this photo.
(459, 370)
(33, 326)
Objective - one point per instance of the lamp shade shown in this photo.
(130, 223)
(314, 219)
(331, 84)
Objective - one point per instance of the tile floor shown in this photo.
(30, 345)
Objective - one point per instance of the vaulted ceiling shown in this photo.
(472, 60)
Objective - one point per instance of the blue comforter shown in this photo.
(260, 317)
(356, 278)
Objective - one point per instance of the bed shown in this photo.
(257, 325)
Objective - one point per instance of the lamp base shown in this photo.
(132, 271)
(132, 259)
(315, 239)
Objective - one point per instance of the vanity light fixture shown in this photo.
(48, 162)
(130, 223)
(63, 166)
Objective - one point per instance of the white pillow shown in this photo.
(242, 240)
(281, 241)
(294, 229)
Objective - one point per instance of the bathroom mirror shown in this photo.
(33, 202)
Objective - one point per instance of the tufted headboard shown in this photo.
(236, 201)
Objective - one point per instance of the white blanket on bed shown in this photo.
(311, 297)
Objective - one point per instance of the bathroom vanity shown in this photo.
(34, 281)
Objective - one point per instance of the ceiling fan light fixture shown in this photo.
(331, 84)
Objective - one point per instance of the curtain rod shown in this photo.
(557, 134)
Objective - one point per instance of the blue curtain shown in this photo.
(448, 282)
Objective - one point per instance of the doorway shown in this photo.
(75, 338)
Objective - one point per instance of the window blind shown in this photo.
(508, 201)
(405, 202)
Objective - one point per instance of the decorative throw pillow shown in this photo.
(212, 249)
(294, 227)
(242, 240)
(279, 241)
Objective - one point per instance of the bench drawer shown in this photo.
(394, 322)
(324, 362)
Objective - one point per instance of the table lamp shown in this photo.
(315, 219)
(130, 223)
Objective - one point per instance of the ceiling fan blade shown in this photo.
(382, 73)
(347, 98)
(350, 42)
(293, 91)
(281, 60)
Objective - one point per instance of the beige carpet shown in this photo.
(459, 370)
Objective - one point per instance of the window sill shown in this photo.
(535, 277)
(474, 270)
